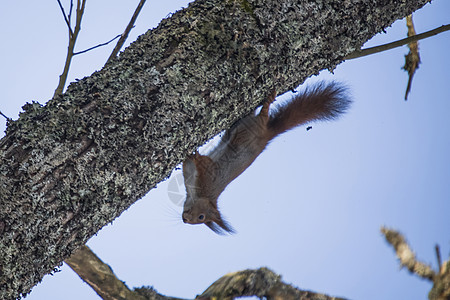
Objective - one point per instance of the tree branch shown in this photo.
(124, 35)
(412, 59)
(441, 286)
(70, 13)
(406, 256)
(70, 48)
(70, 167)
(99, 45)
(65, 17)
(441, 279)
(399, 43)
(438, 257)
(2, 114)
(261, 283)
(98, 275)
(101, 278)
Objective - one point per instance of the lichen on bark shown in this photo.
(70, 167)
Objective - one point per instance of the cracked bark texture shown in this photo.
(261, 282)
(70, 167)
(101, 278)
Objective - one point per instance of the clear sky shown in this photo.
(310, 207)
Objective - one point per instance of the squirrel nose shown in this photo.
(185, 217)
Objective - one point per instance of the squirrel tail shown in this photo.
(322, 101)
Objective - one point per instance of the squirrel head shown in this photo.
(203, 211)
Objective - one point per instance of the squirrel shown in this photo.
(206, 176)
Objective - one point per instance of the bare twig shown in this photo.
(124, 35)
(74, 34)
(70, 11)
(406, 256)
(381, 48)
(67, 19)
(99, 45)
(5, 116)
(438, 257)
(412, 59)
(63, 77)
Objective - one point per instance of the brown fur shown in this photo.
(206, 176)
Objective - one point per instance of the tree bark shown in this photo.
(261, 283)
(407, 258)
(104, 282)
(70, 167)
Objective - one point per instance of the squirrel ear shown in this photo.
(219, 225)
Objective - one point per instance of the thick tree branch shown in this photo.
(261, 283)
(102, 279)
(98, 275)
(70, 167)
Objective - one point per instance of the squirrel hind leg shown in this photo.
(264, 113)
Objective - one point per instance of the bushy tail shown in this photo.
(322, 101)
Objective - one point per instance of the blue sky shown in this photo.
(311, 205)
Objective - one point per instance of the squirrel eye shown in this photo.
(201, 217)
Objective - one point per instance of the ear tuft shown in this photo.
(220, 227)
(217, 224)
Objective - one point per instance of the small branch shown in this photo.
(67, 19)
(261, 283)
(70, 12)
(406, 256)
(124, 35)
(72, 40)
(412, 59)
(381, 48)
(441, 280)
(441, 287)
(99, 45)
(7, 119)
(438, 257)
